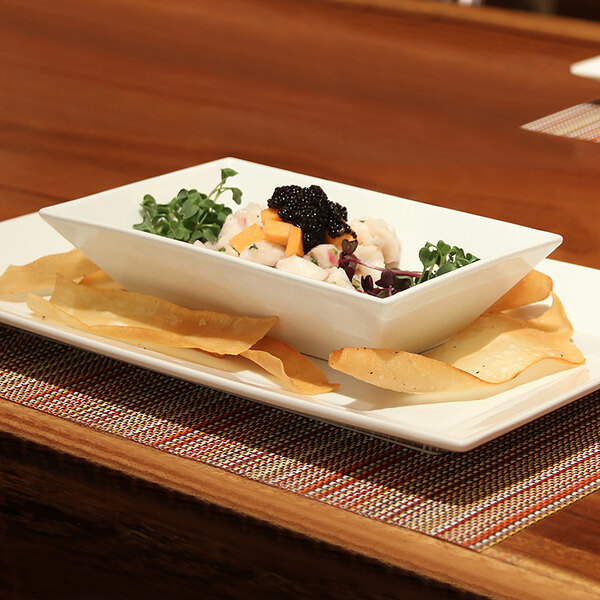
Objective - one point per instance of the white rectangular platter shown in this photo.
(454, 423)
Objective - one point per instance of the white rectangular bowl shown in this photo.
(314, 317)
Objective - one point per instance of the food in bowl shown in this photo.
(301, 232)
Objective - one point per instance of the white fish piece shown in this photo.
(325, 255)
(249, 215)
(378, 232)
(263, 252)
(225, 248)
(372, 255)
(337, 276)
(234, 223)
(300, 266)
(229, 229)
(363, 235)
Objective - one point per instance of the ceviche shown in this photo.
(300, 231)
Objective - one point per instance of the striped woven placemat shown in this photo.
(581, 122)
(473, 499)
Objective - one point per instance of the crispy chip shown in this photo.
(493, 350)
(41, 273)
(401, 371)
(534, 287)
(140, 318)
(497, 347)
(295, 370)
(98, 304)
(99, 279)
(554, 319)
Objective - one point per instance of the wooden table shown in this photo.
(412, 98)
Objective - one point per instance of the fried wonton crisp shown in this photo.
(294, 370)
(493, 350)
(88, 299)
(140, 318)
(41, 273)
(99, 279)
(534, 287)
(497, 347)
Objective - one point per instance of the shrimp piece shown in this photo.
(378, 232)
(363, 235)
(371, 255)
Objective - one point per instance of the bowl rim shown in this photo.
(362, 298)
(322, 286)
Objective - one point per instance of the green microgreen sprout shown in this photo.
(442, 258)
(437, 260)
(191, 215)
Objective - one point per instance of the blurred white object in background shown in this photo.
(539, 6)
(590, 67)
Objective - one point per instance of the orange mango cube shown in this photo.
(269, 214)
(294, 243)
(277, 231)
(246, 237)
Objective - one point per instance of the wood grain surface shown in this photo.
(131, 539)
(409, 98)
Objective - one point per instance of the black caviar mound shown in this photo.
(311, 210)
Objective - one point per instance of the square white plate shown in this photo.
(444, 422)
(314, 317)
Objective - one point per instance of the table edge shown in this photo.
(399, 547)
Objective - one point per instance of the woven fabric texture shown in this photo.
(580, 122)
(472, 499)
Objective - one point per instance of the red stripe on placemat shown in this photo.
(520, 491)
(195, 427)
(349, 469)
(516, 517)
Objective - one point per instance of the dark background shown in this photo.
(583, 9)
